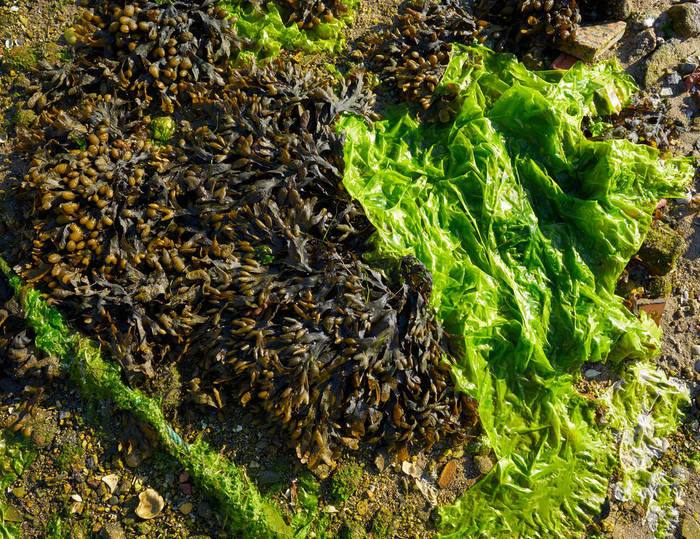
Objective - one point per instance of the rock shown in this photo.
(380, 461)
(697, 366)
(678, 472)
(692, 81)
(133, 459)
(591, 373)
(667, 55)
(592, 40)
(658, 287)
(19, 492)
(112, 530)
(674, 79)
(685, 19)
(113, 500)
(690, 529)
(448, 474)
(143, 528)
(150, 504)
(666, 92)
(112, 481)
(483, 464)
(641, 44)
(12, 514)
(186, 508)
(564, 61)
(661, 249)
(269, 477)
(622, 9)
(695, 350)
(204, 510)
(185, 488)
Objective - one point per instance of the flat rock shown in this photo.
(685, 19)
(667, 55)
(111, 481)
(690, 529)
(12, 514)
(593, 40)
(448, 474)
(641, 44)
(186, 508)
(112, 530)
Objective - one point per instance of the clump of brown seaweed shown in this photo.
(146, 49)
(412, 55)
(527, 25)
(645, 120)
(233, 249)
(307, 14)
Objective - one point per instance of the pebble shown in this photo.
(674, 78)
(697, 366)
(666, 91)
(19, 492)
(133, 459)
(591, 373)
(448, 474)
(112, 530)
(150, 504)
(679, 473)
(111, 481)
(204, 510)
(380, 461)
(186, 508)
(483, 464)
(696, 350)
(269, 477)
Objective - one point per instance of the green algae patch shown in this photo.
(525, 226)
(267, 35)
(16, 454)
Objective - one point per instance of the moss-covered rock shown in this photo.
(383, 524)
(345, 481)
(351, 530)
(20, 58)
(661, 249)
(659, 286)
(24, 117)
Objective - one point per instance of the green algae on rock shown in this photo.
(525, 226)
(661, 249)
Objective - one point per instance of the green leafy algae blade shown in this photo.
(525, 226)
(265, 28)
